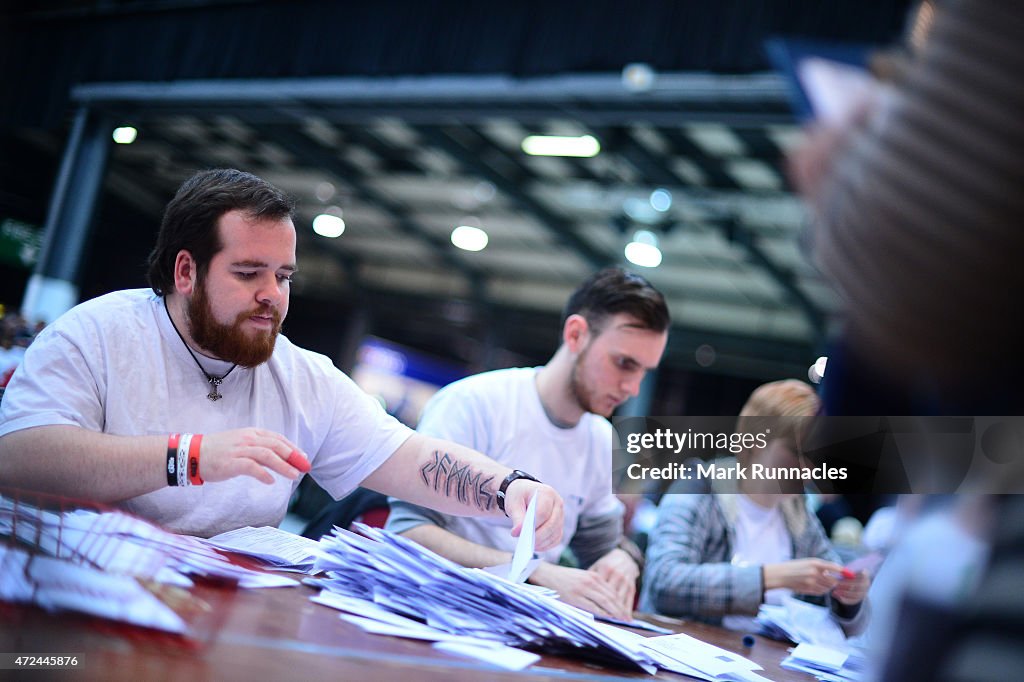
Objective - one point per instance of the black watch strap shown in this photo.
(514, 476)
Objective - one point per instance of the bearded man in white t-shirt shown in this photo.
(552, 421)
(184, 404)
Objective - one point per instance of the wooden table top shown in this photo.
(277, 633)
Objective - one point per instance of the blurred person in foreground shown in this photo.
(918, 211)
(185, 405)
(553, 420)
(717, 553)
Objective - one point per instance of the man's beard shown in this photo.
(579, 389)
(228, 341)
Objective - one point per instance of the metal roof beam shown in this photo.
(563, 229)
(316, 155)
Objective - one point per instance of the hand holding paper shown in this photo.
(525, 547)
(549, 512)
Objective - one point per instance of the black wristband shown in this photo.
(514, 476)
(172, 460)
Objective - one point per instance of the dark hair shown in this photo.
(191, 217)
(614, 290)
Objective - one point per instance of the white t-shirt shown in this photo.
(761, 537)
(500, 414)
(115, 365)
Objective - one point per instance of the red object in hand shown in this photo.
(848, 574)
(299, 461)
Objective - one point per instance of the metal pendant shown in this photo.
(213, 394)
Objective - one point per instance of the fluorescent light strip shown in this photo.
(584, 146)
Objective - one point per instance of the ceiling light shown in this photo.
(661, 200)
(643, 250)
(325, 191)
(705, 355)
(469, 238)
(638, 77)
(125, 135)
(327, 225)
(484, 191)
(583, 146)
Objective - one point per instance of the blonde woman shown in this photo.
(718, 555)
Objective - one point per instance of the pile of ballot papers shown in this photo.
(89, 561)
(387, 584)
(397, 575)
(801, 622)
(279, 549)
(823, 648)
(827, 663)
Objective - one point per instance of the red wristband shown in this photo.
(193, 460)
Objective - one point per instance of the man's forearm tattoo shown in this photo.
(446, 475)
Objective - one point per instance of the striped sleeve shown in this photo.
(688, 571)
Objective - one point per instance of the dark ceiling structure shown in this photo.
(406, 144)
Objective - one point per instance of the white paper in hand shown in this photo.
(524, 548)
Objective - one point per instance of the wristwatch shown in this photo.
(515, 475)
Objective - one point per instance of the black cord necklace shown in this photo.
(215, 381)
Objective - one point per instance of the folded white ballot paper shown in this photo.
(526, 544)
(700, 659)
(828, 663)
(821, 657)
(524, 561)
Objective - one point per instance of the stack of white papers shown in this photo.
(117, 542)
(56, 585)
(690, 656)
(280, 549)
(828, 663)
(392, 585)
(801, 622)
(97, 557)
(389, 585)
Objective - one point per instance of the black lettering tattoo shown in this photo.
(444, 466)
(440, 465)
(428, 467)
(457, 475)
(484, 499)
(443, 472)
